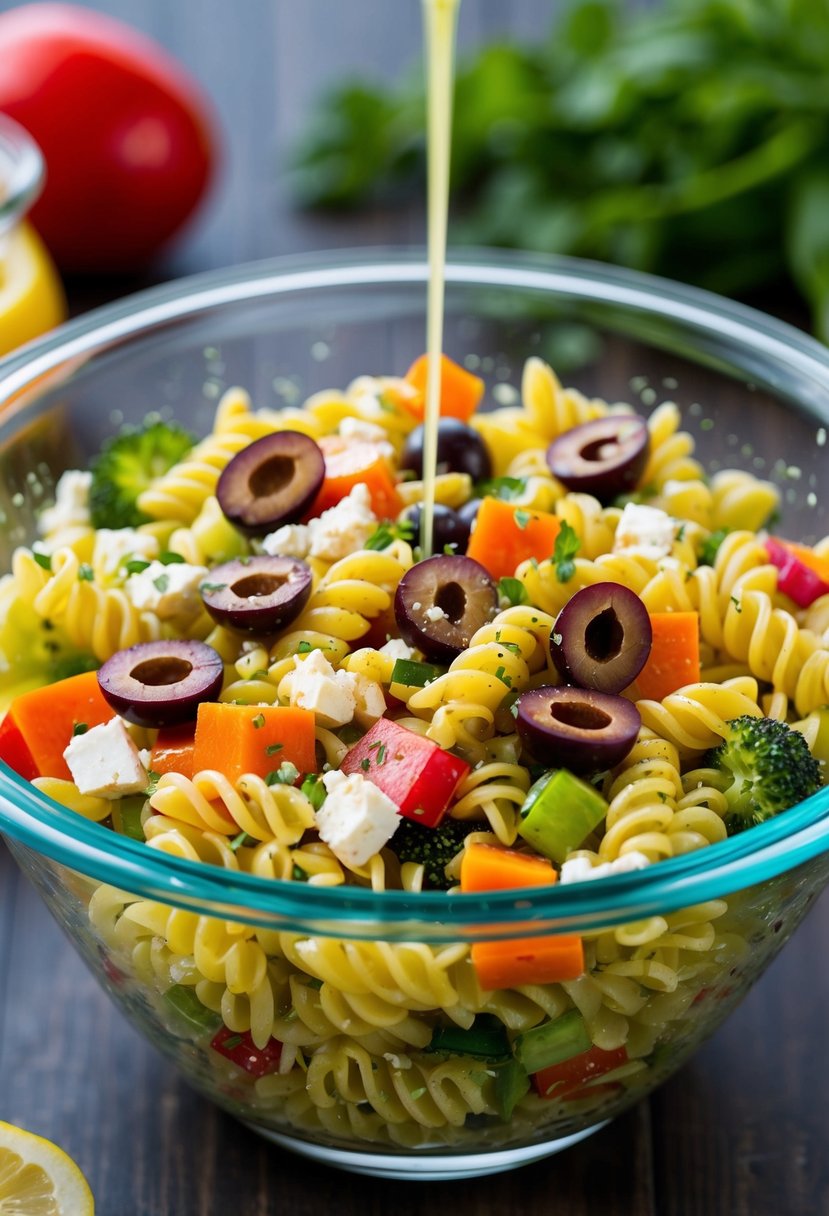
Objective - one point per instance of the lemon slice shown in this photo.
(31, 297)
(38, 1179)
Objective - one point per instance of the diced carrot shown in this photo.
(523, 960)
(460, 390)
(238, 739)
(505, 535)
(39, 725)
(529, 960)
(358, 464)
(173, 750)
(673, 661)
(487, 867)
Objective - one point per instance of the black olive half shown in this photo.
(272, 481)
(460, 449)
(258, 595)
(576, 728)
(602, 637)
(441, 603)
(605, 457)
(161, 683)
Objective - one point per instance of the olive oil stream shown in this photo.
(439, 24)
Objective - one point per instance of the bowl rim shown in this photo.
(26, 171)
(770, 849)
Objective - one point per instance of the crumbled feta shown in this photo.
(577, 869)
(291, 540)
(71, 507)
(114, 547)
(356, 819)
(370, 701)
(396, 648)
(171, 592)
(315, 685)
(644, 532)
(105, 762)
(345, 528)
(416, 606)
(357, 430)
(435, 614)
(339, 531)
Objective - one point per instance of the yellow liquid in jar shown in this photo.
(440, 21)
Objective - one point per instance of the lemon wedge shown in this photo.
(31, 296)
(38, 1179)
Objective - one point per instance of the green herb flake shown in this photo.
(44, 560)
(513, 589)
(314, 790)
(152, 784)
(298, 874)
(501, 674)
(161, 583)
(365, 764)
(136, 565)
(286, 774)
(167, 558)
(388, 532)
(711, 546)
(204, 586)
(273, 748)
(417, 1094)
(304, 648)
(238, 841)
(522, 518)
(80, 728)
(85, 573)
(507, 488)
(232, 1043)
(737, 605)
(258, 722)
(566, 547)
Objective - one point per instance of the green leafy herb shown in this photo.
(522, 518)
(286, 774)
(687, 139)
(513, 590)
(388, 532)
(710, 547)
(167, 558)
(135, 565)
(304, 648)
(314, 790)
(161, 583)
(273, 748)
(258, 722)
(508, 488)
(85, 572)
(152, 783)
(501, 674)
(241, 839)
(365, 764)
(566, 547)
(80, 728)
(44, 560)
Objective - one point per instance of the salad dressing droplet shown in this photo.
(440, 21)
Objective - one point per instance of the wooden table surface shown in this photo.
(741, 1131)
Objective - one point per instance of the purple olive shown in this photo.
(605, 457)
(257, 595)
(272, 481)
(468, 513)
(460, 450)
(161, 683)
(602, 637)
(441, 602)
(448, 528)
(576, 728)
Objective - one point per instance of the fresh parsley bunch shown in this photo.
(690, 139)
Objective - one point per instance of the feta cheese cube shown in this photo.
(114, 547)
(291, 540)
(171, 592)
(315, 685)
(105, 762)
(370, 701)
(356, 430)
(396, 648)
(578, 869)
(435, 613)
(356, 819)
(71, 507)
(644, 532)
(345, 528)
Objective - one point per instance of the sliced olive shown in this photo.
(449, 529)
(576, 728)
(161, 683)
(602, 637)
(469, 513)
(257, 595)
(272, 481)
(460, 450)
(605, 457)
(441, 602)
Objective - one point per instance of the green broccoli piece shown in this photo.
(128, 464)
(768, 767)
(434, 847)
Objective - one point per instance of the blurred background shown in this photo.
(686, 138)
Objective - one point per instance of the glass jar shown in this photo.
(31, 296)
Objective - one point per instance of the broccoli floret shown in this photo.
(769, 768)
(434, 847)
(128, 464)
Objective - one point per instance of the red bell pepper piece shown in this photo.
(567, 1078)
(242, 1051)
(417, 775)
(798, 578)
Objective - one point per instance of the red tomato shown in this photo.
(126, 134)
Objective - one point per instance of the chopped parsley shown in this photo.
(286, 774)
(513, 590)
(204, 586)
(44, 560)
(135, 565)
(314, 790)
(273, 748)
(241, 839)
(80, 728)
(711, 546)
(508, 488)
(258, 722)
(167, 558)
(304, 648)
(161, 583)
(522, 518)
(388, 532)
(566, 547)
(85, 572)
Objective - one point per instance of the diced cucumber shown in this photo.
(552, 1042)
(511, 1084)
(558, 813)
(486, 1039)
(412, 674)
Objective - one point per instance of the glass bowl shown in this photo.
(179, 945)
